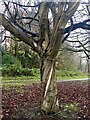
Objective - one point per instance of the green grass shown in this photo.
(28, 80)
(74, 77)
(69, 110)
(19, 81)
(64, 74)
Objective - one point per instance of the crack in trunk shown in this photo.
(50, 101)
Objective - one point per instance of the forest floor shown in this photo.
(23, 102)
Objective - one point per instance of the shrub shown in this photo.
(8, 60)
(66, 73)
(28, 72)
(12, 67)
(11, 70)
(14, 70)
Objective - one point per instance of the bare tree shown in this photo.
(43, 26)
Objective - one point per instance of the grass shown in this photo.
(74, 77)
(64, 74)
(28, 80)
(19, 81)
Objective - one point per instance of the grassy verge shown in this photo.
(74, 77)
(19, 81)
(64, 74)
(27, 80)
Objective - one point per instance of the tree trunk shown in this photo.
(16, 48)
(50, 102)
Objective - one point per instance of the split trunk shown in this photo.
(50, 101)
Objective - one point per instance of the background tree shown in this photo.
(67, 60)
(49, 20)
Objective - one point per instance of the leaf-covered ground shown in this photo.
(24, 102)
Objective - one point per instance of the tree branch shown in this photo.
(26, 5)
(71, 27)
(19, 33)
(80, 50)
(82, 25)
(28, 18)
(25, 30)
(16, 23)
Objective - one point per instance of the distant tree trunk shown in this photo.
(5, 46)
(16, 48)
(50, 102)
(11, 47)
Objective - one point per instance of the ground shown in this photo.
(23, 102)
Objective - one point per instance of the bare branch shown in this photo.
(25, 5)
(71, 27)
(28, 18)
(19, 33)
(29, 32)
(82, 25)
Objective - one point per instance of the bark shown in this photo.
(50, 101)
(16, 48)
(11, 46)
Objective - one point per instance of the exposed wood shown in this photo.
(50, 103)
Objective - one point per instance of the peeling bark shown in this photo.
(50, 101)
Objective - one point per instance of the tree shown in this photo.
(66, 60)
(49, 21)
